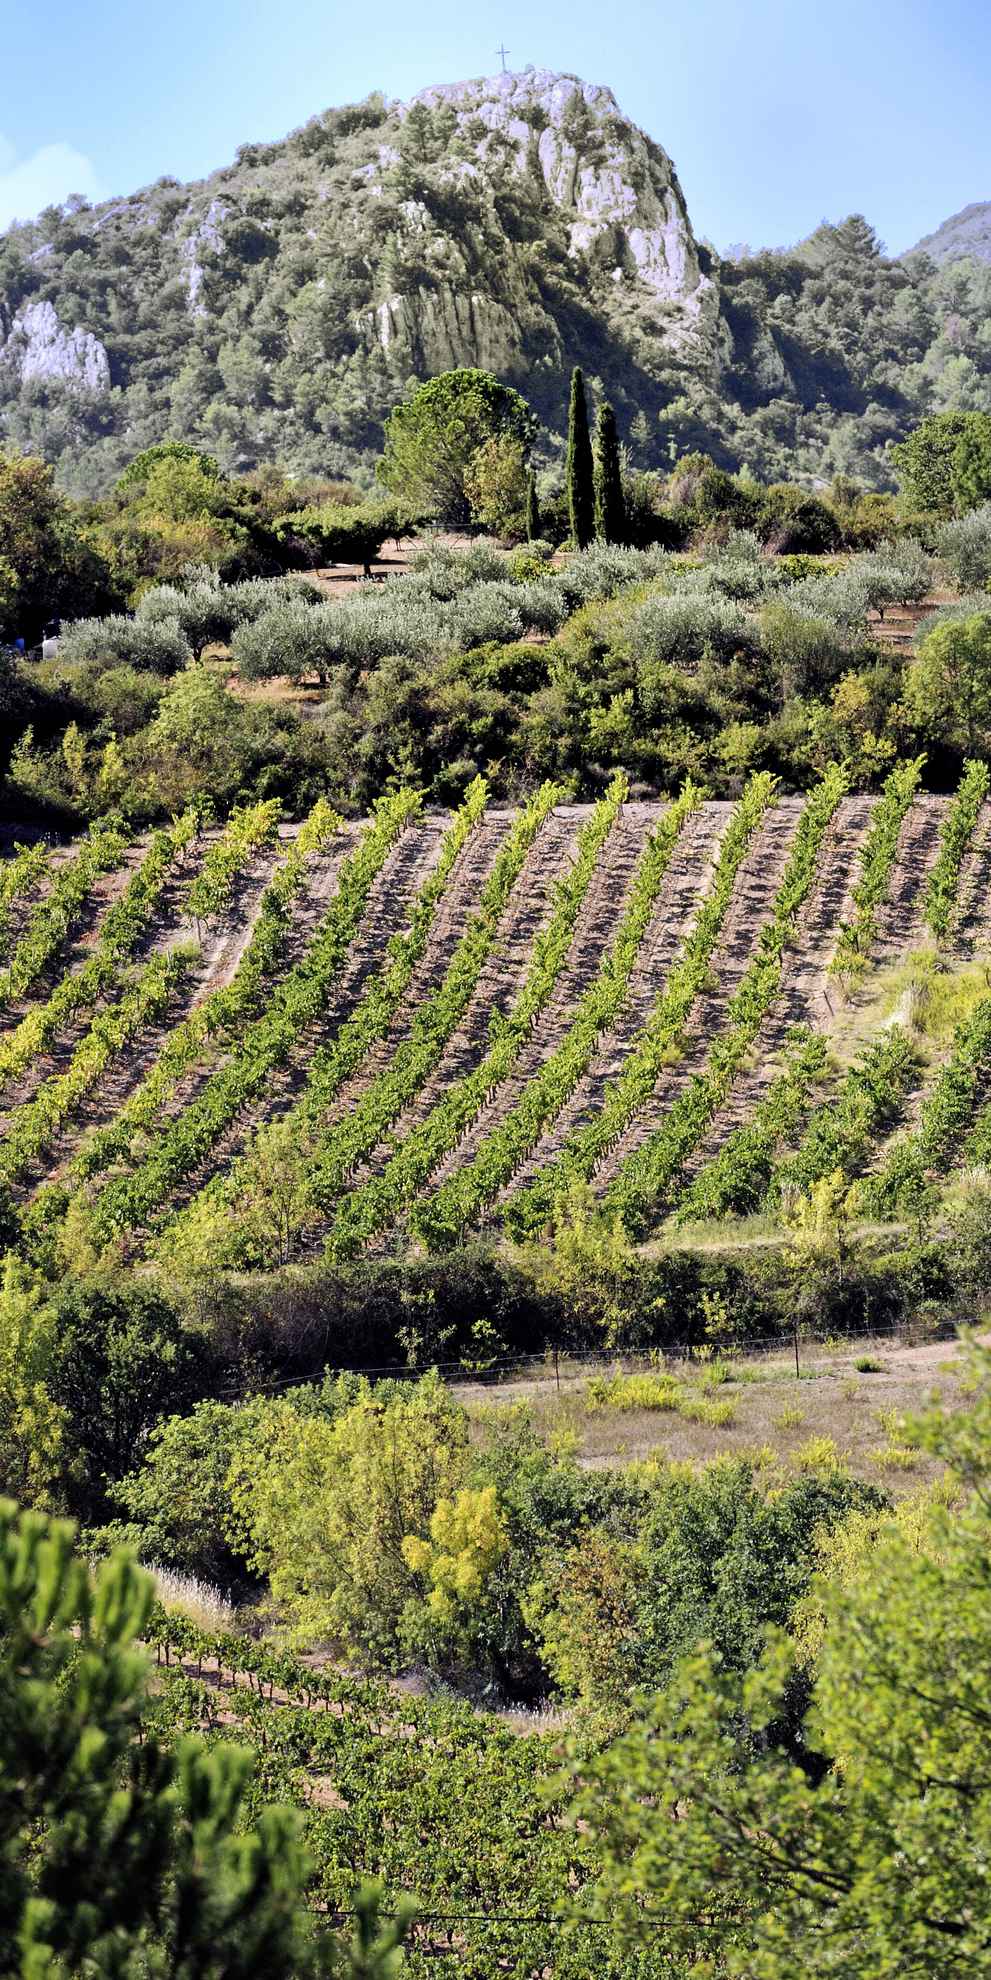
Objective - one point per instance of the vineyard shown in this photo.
(265, 1042)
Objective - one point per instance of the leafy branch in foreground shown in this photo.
(127, 1858)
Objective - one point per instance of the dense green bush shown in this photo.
(965, 547)
(337, 535)
(156, 645)
(713, 1556)
(791, 521)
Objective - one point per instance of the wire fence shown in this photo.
(561, 1365)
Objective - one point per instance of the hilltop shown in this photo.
(278, 309)
(964, 236)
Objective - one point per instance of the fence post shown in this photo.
(557, 1372)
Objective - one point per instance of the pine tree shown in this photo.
(127, 1858)
(532, 508)
(610, 507)
(578, 472)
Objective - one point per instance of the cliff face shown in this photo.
(38, 349)
(617, 193)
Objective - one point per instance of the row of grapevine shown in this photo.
(221, 1013)
(122, 928)
(31, 1126)
(31, 1129)
(648, 1171)
(337, 1061)
(840, 1132)
(248, 830)
(735, 1180)
(331, 1159)
(955, 839)
(948, 1108)
(856, 936)
(266, 1041)
(20, 877)
(471, 1066)
(56, 916)
(455, 1204)
(379, 1201)
(530, 1208)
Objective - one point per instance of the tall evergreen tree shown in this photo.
(578, 470)
(532, 508)
(610, 507)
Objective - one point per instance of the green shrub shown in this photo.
(156, 647)
(965, 548)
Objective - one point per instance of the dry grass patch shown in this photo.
(833, 1413)
(186, 1595)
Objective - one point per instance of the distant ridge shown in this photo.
(964, 234)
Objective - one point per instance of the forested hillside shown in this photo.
(278, 309)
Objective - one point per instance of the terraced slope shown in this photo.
(267, 1041)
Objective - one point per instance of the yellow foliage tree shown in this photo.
(324, 1503)
(467, 1538)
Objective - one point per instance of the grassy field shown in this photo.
(847, 1406)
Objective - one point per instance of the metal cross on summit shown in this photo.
(502, 53)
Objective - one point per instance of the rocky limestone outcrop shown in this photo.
(451, 318)
(616, 189)
(38, 346)
(206, 234)
(443, 328)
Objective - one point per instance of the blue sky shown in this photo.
(777, 115)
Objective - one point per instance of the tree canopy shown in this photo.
(945, 463)
(830, 1813)
(431, 439)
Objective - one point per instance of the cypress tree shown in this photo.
(578, 471)
(610, 507)
(532, 508)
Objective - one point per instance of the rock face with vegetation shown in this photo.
(38, 349)
(615, 190)
(278, 309)
(965, 235)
